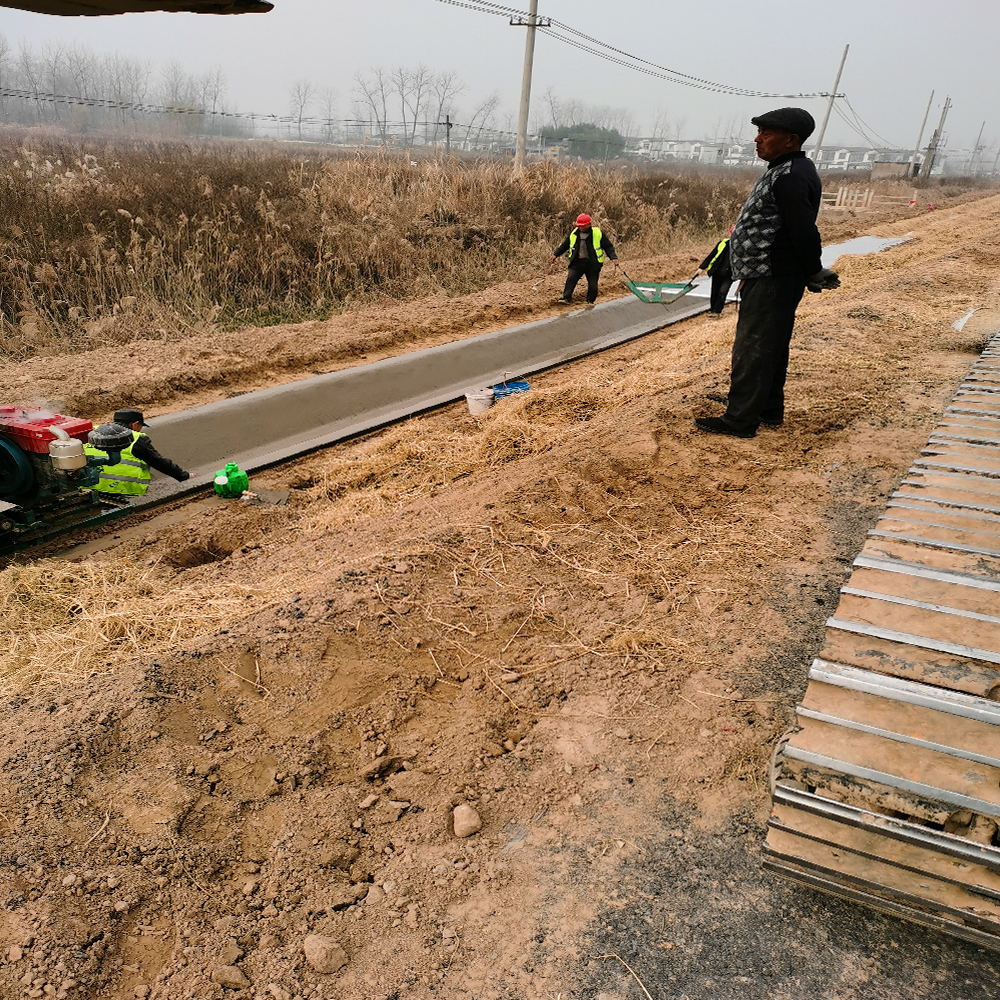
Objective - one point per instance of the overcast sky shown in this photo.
(900, 51)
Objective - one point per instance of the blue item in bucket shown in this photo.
(505, 389)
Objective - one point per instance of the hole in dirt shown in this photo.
(197, 555)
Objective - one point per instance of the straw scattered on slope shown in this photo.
(70, 621)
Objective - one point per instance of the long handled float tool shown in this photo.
(663, 292)
(541, 278)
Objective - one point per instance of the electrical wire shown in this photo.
(858, 128)
(603, 50)
(167, 109)
(861, 121)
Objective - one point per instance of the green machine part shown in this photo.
(231, 481)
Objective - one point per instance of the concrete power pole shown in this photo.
(531, 22)
(911, 170)
(932, 147)
(974, 161)
(818, 148)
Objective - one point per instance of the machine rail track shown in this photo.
(888, 793)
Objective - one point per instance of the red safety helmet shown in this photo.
(583, 220)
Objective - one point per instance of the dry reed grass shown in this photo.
(120, 239)
(67, 622)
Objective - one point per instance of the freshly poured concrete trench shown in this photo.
(272, 425)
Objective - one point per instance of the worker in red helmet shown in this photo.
(586, 248)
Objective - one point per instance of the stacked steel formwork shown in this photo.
(889, 791)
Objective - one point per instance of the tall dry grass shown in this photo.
(124, 238)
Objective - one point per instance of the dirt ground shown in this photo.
(591, 631)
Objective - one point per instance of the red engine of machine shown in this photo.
(31, 429)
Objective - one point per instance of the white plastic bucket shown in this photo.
(479, 400)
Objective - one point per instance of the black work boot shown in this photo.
(716, 425)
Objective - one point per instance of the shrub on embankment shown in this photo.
(116, 239)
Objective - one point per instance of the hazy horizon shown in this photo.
(899, 53)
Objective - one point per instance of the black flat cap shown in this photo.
(129, 417)
(798, 121)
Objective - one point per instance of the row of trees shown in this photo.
(398, 105)
(404, 105)
(195, 103)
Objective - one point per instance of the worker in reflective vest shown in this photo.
(131, 476)
(717, 266)
(586, 248)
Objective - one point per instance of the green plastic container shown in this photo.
(231, 481)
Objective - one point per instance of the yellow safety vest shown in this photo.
(130, 476)
(718, 253)
(597, 243)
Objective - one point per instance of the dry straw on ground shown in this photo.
(119, 239)
(68, 621)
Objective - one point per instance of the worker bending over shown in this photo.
(130, 476)
(586, 248)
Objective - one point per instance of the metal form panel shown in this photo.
(888, 791)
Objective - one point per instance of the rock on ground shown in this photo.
(466, 820)
(324, 954)
(230, 977)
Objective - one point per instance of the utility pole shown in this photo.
(818, 148)
(932, 147)
(911, 170)
(974, 161)
(531, 23)
(448, 123)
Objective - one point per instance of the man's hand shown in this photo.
(553, 260)
(614, 260)
(823, 280)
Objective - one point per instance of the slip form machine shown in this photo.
(44, 475)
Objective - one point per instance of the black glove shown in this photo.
(184, 477)
(823, 279)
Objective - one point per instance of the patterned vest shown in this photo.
(753, 235)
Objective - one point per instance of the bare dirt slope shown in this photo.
(577, 615)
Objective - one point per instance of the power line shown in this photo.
(176, 109)
(861, 121)
(603, 50)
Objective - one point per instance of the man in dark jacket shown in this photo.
(129, 455)
(586, 247)
(143, 448)
(775, 252)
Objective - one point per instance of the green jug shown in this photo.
(231, 481)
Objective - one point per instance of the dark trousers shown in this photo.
(721, 283)
(760, 351)
(576, 271)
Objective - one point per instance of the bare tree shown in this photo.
(328, 98)
(482, 117)
(444, 88)
(82, 70)
(6, 72)
(371, 97)
(300, 97)
(28, 72)
(211, 90)
(411, 87)
(52, 62)
(550, 99)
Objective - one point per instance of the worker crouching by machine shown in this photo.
(123, 440)
(57, 473)
(46, 477)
